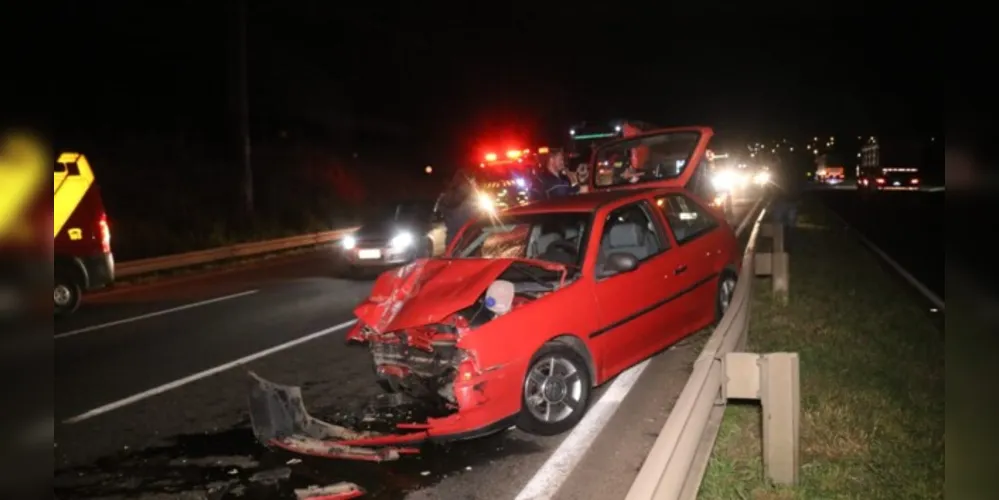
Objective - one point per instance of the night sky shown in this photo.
(434, 84)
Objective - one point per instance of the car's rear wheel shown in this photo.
(66, 293)
(726, 290)
(555, 392)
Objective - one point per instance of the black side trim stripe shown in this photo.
(653, 307)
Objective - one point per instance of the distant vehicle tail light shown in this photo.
(542, 150)
(881, 181)
(105, 231)
(915, 181)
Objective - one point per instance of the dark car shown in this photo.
(393, 235)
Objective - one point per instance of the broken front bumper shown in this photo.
(279, 419)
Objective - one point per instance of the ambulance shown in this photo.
(82, 248)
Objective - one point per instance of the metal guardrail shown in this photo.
(679, 457)
(167, 262)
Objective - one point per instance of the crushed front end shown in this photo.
(413, 326)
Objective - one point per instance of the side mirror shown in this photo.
(620, 262)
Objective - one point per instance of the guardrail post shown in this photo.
(781, 401)
(774, 263)
(780, 267)
(772, 379)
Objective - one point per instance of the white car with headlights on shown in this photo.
(394, 235)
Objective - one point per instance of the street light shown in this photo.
(428, 169)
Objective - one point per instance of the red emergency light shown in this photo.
(490, 156)
(513, 154)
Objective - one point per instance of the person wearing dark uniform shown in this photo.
(555, 181)
(786, 210)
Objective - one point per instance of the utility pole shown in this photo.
(244, 112)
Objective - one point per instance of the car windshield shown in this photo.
(552, 237)
(644, 159)
(402, 212)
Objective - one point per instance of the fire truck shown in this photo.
(508, 178)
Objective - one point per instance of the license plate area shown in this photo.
(369, 253)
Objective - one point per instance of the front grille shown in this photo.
(372, 242)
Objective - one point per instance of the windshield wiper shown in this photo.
(533, 277)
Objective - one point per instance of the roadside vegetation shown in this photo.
(872, 380)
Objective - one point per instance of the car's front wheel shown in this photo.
(555, 392)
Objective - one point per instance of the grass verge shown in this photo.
(872, 380)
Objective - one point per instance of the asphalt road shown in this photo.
(148, 404)
(907, 225)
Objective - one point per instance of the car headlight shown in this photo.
(486, 203)
(348, 242)
(762, 178)
(722, 181)
(401, 240)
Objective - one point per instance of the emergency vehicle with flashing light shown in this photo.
(508, 180)
(82, 237)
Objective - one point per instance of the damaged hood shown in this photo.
(429, 290)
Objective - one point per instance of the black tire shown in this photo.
(527, 420)
(67, 293)
(721, 305)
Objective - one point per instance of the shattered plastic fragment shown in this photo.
(339, 491)
(279, 419)
(271, 476)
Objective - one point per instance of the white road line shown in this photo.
(204, 374)
(560, 464)
(749, 216)
(153, 314)
(549, 478)
(906, 275)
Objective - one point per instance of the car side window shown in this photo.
(686, 218)
(630, 229)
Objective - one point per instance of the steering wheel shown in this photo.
(566, 245)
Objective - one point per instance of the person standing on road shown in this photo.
(556, 181)
(457, 205)
(786, 210)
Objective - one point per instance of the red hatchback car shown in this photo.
(531, 309)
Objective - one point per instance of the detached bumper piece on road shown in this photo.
(279, 419)
(339, 491)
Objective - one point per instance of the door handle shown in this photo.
(682, 268)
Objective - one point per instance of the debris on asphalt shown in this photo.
(293, 461)
(271, 476)
(338, 491)
(425, 473)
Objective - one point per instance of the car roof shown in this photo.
(586, 202)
